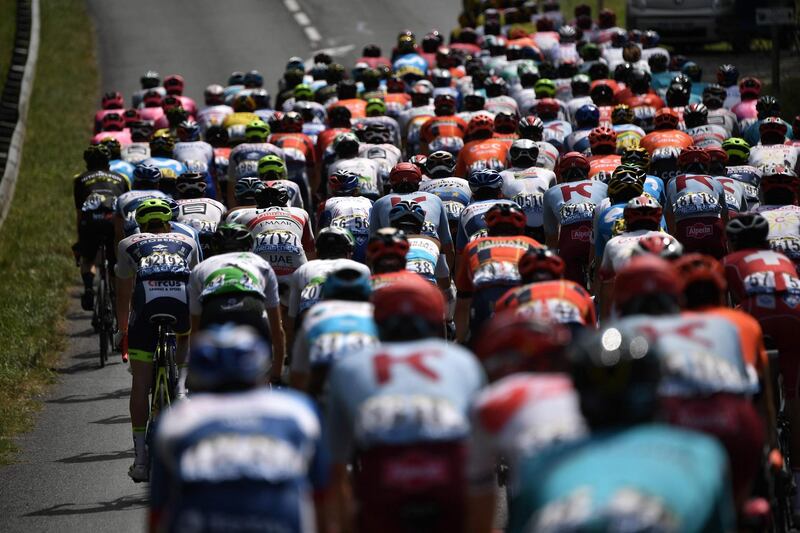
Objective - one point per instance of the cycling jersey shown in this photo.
(750, 178)
(243, 160)
(628, 136)
(213, 115)
(442, 126)
(305, 286)
(471, 224)
(694, 195)
(127, 204)
(784, 229)
(368, 171)
(170, 168)
(578, 141)
(386, 155)
(203, 214)
(561, 301)
(292, 191)
(426, 259)
(776, 154)
(435, 224)
(569, 487)
(735, 196)
(135, 153)
(708, 135)
(239, 461)
(449, 190)
(492, 262)
(100, 182)
(481, 154)
(526, 187)
(607, 218)
(502, 103)
(745, 110)
(353, 213)
(556, 132)
(660, 142)
(333, 329)
(619, 250)
(751, 132)
(601, 167)
(725, 119)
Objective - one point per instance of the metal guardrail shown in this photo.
(15, 99)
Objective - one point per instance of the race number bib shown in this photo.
(574, 213)
(328, 347)
(495, 273)
(788, 246)
(696, 204)
(766, 283)
(158, 264)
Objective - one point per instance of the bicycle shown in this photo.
(103, 319)
(165, 369)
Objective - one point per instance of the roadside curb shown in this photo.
(16, 98)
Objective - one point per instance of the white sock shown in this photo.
(183, 372)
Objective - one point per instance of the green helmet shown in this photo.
(153, 209)
(303, 92)
(256, 131)
(375, 107)
(736, 148)
(545, 88)
(271, 167)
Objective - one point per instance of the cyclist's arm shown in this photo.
(124, 292)
(278, 341)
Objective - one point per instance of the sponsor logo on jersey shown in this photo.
(699, 231)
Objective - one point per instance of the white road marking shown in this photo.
(291, 5)
(312, 34)
(304, 21)
(302, 18)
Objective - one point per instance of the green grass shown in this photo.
(36, 264)
(8, 12)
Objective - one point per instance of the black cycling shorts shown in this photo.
(91, 233)
(242, 309)
(152, 297)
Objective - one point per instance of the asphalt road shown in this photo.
(72, 472)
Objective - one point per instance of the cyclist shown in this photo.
(195, 154)
(532, 127)
(424, 253)
(174, 85)
(780, 205)
(625, 185)
(768, 108)
(272, 173)
(377, 145)
(338, 325)
(162, 156)
(412, 370)
(298, 152)
(585, 118)
(569, 213)
(268, 465)
(95, 194)
(112, 101)
(481, 150)
(386, 256)
(718, 115)
(604, 158)
(193, 208)
(628, 134)
(152, 271)
(665, 143)
(745, 109)
(446, 130)
(146, 181)
(244, 158)
(487, 190)
(347, 148)
(347, 209)
(525, 183)
(772, 149)
(738, 151)
(215, 109)
(616, 372)
(115, 161)
(488, 266)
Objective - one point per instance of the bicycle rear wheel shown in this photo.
(104, 330)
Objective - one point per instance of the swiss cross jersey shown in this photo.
(784, 229)
(471, 224)
(231, 274)
(622, 481)
(572, 203)
(157, 257)
(252, 458)
(601, 167)
(305, 285)
(694, 195)
(243, 159)
(426, 259)
(519, 416)
(368, 171)
(109, 184)
(298, 148)
(618, 250)
(526, 187)
(170, 168)
(203, 214)
(332, 329)
(561, 301)
(492, 262)
(282, 235)
(702, 354)
(708, 135)
(628, 136)
(482, 154)
(775, 154)
(351, 213)
(400, 393)
(435, 224)
(752, 273)
(750, 178)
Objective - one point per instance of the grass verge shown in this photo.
(8, 14)
(36, 264)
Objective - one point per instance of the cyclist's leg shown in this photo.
(88, 245)
(142, 342)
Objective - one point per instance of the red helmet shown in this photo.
(174, 84)
(750, 86)
(547, 107)
(113, 100)
(387, 242)
(693, 155)
(717, 155)
(505, 122)
(405, 173)
(534, 263)
(642, 207)
(573, 165)
(500, 214)
(509, 343)
(603, 136)
(409, 297)
(643, 275)
(663, 246)
(113, 122)
(170, 102)
(480, 122)
(694, 268)
(666, 119)
(152, 98)
(131, 115)
(773, 125)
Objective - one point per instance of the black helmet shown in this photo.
(639, 81)
(714, 95)
(748, 230)
(768, 106)
(531, 127)
(150, 79)
(658, 62)
(231, 237)
(334, 242)
(678, 95)
(695, 115)
(191, 185)
(272, 196)
(616, 372)
(96, 155)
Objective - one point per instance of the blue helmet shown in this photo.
(485, 179)
(587, 116)
(147, 174)
(347, 284)
(343, 182)
(228, 357)
(407, 208)
(727, 75)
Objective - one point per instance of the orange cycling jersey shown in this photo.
(508, 137)
(644, 100)
(491, 262)
(397, 98)
(602, 166)
(356, 106)
(380, 281)
(299, 142)
(665, 139)
(561, 301)
(446, 126)
(326, 138)
(492, 152)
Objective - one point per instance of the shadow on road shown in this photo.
(118, 394)
(120, 504)
(116, 419)
(89, 457)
